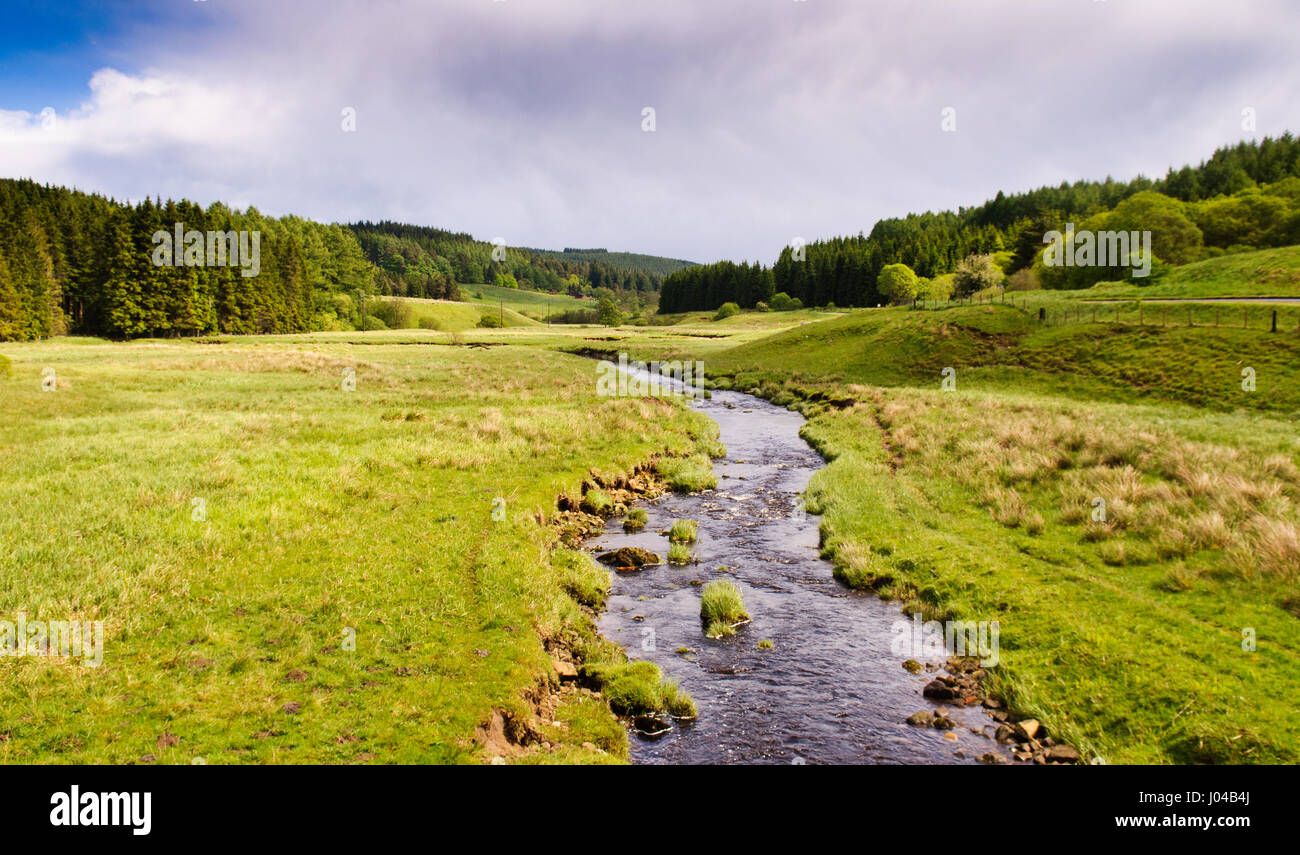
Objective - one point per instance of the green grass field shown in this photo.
(533, 304)
(346, 560)
(451, 315)
(1125, 634)
(1265, 273)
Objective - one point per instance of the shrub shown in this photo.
(975, 273)
(490, 321)
(396, 314)
(898, 283)
(608, 313)
(427, 323)
(1024, 280)
(726, 310)
(938, 288)
(683, 531)
(783, 302)
(373, 323)
(721, 607)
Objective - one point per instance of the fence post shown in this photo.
(1042, 314)
(1274, 321)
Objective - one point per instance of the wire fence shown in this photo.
(1174, 313)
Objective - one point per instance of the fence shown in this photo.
(1174, 313)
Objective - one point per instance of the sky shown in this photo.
(527, 119)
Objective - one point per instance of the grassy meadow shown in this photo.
(341, 593)
(370, 511)
(1110, 493)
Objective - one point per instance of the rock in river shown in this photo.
(629, 556)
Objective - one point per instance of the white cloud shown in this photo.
(774, 118)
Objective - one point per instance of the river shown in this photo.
(829, 690)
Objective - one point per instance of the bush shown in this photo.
(726, 310)
(427, 323)
(898, 283)
(396, 314)
(1024, 280)
(608, 314)
(721, 607)
(975, 273)
(373, 323)
(783, 302)
(490, 321)
(938, 288)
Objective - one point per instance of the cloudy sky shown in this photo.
(525, 119)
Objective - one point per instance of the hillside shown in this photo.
(656, 264)
(1001, 347)
(1123, 632)
(1264, 273)
(1244, 197)
(442, 314)
(534, 304)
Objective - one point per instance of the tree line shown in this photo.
(1245, 196)
(83, 263)
(419, 261)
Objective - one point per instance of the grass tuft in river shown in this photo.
(679, 555)
(721, 608)
(683, 531)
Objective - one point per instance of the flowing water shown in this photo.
(830, 690)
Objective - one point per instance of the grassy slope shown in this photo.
(458, 316)
(325, 509)
(1124, 636)
(1000, 347)
(530, 303)
(1265, 273)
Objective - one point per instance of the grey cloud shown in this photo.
(775, 118)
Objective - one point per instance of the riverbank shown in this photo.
(1152, 626)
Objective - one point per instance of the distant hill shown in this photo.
(625, 260)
